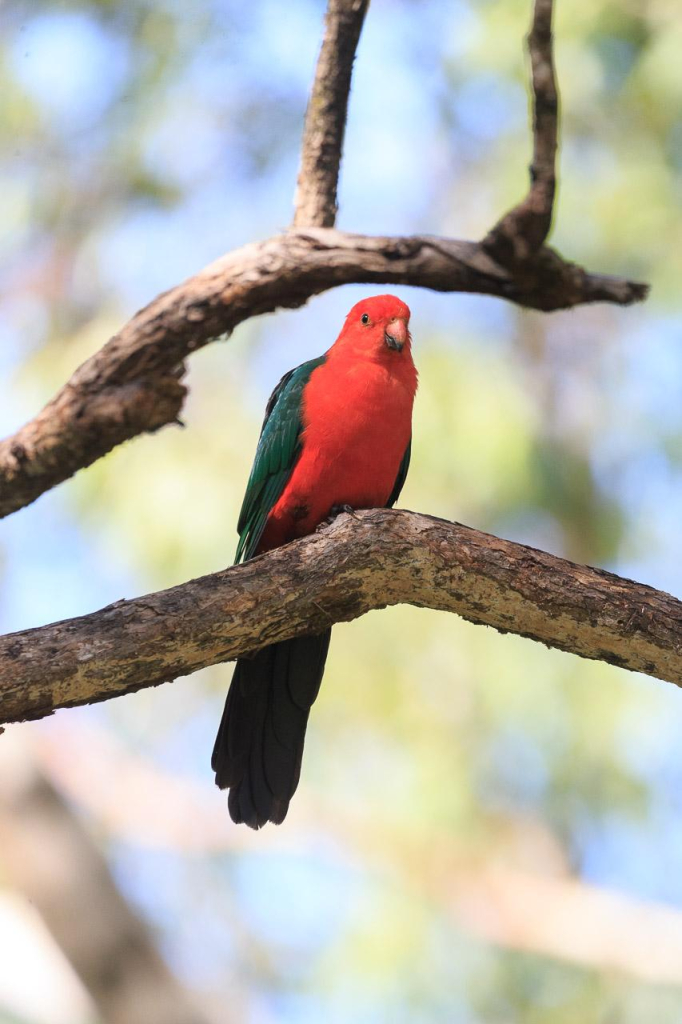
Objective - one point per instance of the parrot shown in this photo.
(336, 436)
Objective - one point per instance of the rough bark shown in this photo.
(325, 120)
(132, 385)
(380, 557)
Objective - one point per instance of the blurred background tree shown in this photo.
(451, 774)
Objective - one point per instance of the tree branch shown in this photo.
(384, 558)
(520, 234)
(132, 385)
(47, 854)
(325, 120)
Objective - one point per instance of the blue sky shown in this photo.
(422, 155)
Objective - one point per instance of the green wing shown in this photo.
(276, 454)
(401, 477)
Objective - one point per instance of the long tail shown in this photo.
(259, 745)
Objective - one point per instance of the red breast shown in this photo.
(357, 415)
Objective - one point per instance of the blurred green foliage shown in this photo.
(141, 140)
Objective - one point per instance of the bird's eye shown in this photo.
(365, 318)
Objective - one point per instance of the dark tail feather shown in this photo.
(259, 746)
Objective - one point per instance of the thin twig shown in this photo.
(325, 120)
(520, 234)
(387, 557)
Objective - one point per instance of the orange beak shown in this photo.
(396, 334)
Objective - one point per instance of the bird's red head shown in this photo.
(378, 327)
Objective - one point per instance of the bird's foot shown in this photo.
(336, 510)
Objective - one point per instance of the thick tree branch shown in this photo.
(383, 558)
(518, 236)
(325, 119)
(47, 854)
(132, 385)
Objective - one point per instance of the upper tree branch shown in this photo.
(385, 558)
(325, 120)
(132, 385)
(520, 234)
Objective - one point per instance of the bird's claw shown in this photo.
(336, 510)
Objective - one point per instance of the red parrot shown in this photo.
(336, 434)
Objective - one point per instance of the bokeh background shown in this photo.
(486, 831)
